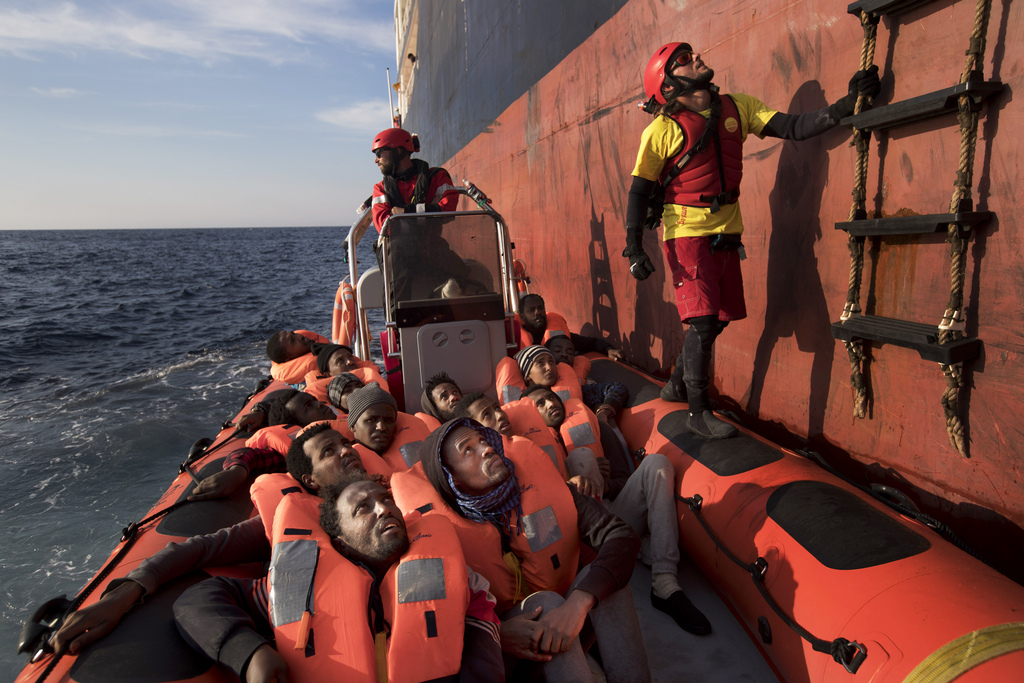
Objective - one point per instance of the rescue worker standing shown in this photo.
(691, 159)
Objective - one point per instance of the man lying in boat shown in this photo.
(488, 412)
(440, 396)
(521, 528)
(340, 388)
(430, 616)
(290, 354)
(577, 427)
(333, 360)
(378, 426)
(604, 398)
(644, 499)
(536, 326)
(318, 457)
(290, 411)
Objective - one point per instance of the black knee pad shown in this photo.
(706, 327)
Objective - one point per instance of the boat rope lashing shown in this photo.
(858, 211)
(129, 535)
(849, 653)
(951, 326)
(959, 656)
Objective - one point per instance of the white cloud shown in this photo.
(57, 92)
(274, 31)
(362, 117)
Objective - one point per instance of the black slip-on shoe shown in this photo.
(679, 607)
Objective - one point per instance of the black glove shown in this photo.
(640, 265)
(866, 82)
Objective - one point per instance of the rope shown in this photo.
(129, 535)
(949, 329)
(859, 210)
(846, 652)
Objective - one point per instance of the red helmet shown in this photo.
(393, 138)
(656, 76)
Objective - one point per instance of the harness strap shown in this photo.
(380, 648)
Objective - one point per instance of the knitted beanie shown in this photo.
(527, 356)
(323, 354)
(337, 387)
(361, 399)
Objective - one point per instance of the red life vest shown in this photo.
(315, 590)
(700, 176)
(544, 556)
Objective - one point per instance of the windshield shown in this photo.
(442, 256)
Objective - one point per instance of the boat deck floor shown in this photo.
(675, 656)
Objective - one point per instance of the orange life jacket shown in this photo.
(527, 423)
(556, 327)
(366, 371)
(544, 556)
(292, 372)
(372, 463)
(580, 428)
(278, 438)
(430, 421)
(404, 450)
(510, 383)
(315, 591)
(581, 366)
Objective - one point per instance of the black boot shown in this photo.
(675, 391)
(696, 376)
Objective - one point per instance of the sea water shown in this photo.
(118, 350)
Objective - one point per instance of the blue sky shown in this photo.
(190, 113)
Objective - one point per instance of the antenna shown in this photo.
(391, 104)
